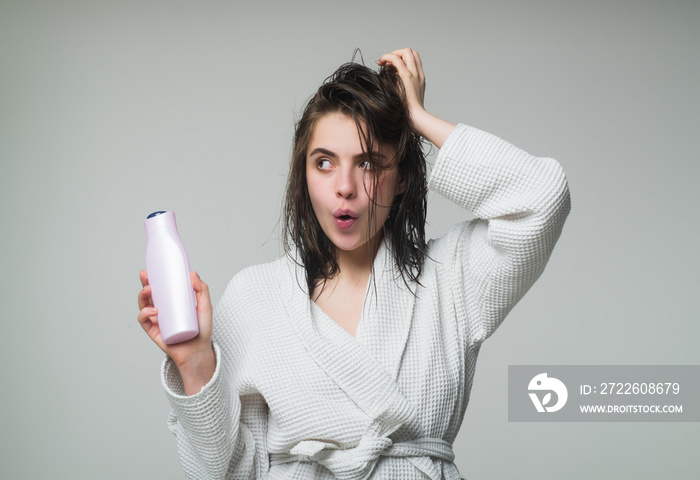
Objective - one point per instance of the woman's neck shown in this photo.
(357, 264)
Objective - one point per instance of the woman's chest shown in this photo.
(342, 301)
(319, 381)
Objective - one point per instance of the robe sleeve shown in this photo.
(220, 435)
(520, 201)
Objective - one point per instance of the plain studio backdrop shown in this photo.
(110, 110)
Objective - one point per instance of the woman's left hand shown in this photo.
(407, 62)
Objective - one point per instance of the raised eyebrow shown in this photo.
(359, 156)
(365, 156)
(322, 151)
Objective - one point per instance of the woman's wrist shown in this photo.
(430, 127)
(197, 370)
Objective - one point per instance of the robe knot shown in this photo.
(358, 462)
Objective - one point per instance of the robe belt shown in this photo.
(358, 462)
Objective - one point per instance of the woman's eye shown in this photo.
(323, 164)
(366, 165)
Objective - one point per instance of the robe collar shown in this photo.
(365, 370)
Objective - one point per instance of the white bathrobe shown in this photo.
(295, 396)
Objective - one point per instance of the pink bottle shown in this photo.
(168, 268)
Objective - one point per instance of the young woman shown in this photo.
(353, 355)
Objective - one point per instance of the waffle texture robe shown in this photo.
(295, 396)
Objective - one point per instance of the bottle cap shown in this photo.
(155, 214)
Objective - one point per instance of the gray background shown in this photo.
(111, 110)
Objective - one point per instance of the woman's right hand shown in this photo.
(194, 358)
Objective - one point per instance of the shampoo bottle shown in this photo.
(168, 268)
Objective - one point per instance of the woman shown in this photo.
(353, 355)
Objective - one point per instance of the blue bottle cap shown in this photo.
(154, 214)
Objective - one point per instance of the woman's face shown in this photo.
(340, 181)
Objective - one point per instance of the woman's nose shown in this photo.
(346, 183)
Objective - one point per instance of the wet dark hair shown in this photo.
(377, 103)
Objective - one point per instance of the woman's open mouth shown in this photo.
(344, 219)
